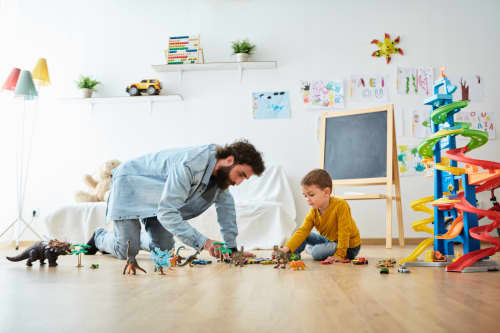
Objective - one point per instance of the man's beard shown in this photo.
(222, 177)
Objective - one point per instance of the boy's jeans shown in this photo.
(115, 242)
(323, 248)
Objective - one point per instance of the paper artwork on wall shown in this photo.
(483, 121)
(469, 87)
(410, 162)
(366, 88)
(323, 93)
(419, 123)
(415, 81)
(266, 105)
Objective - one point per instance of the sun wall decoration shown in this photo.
(387, 47)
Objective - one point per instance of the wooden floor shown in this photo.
(257, 298)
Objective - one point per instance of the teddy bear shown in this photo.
(99, 187)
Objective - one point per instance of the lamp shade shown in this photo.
(11, 82)
(25, 86)
(41, 73)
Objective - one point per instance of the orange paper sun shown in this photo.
(387, 47)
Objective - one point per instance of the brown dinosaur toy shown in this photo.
(131, 266)
(49, 250)
(280, 257)
(238, 259)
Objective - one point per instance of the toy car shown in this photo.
(384, 270)
(346, 261)
(438, 257)
(149, 86)
(360, 261)
(403, 269)
(268, 262)
(201, 262)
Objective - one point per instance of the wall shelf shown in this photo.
(126, 99)
(216, 66)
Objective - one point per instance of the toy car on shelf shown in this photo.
(149, 86)
(360, 261)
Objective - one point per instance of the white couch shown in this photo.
(265, 211)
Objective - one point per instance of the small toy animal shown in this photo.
(238, 259)
(280, 257)
(297, 264)
(49, 250)
(131, 266)
(189, 260)
(161, 259)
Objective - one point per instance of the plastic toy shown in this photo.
(387, 47)
(390, 262)
(384, 270)
(268, 262)
(360, 261)
(403, 269)
(131, 266)
(161, 259)
(238, 259)
(280, 257)
(223, 250)
(189, 260)
(462, 185)
(297, 265)
(201, 262)
(149, 86)
(79, 249)
(94, 266)
(49, 250)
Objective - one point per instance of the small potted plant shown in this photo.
(87, 86)
(242, 49)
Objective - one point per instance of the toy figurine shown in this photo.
(384, 270)
(131, 266)
(79, 249)
(297, 265)
(49, 250)
(238, 259)
(94, 266)
(189, 260)
(280, 257)
(386, 263)
(161, 259)
(151, 87)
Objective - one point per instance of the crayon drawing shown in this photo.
(323, 94)
(366, 88)
(266, 105)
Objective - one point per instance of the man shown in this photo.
(164, 189)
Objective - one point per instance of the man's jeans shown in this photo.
(323, 248)
(124, 230)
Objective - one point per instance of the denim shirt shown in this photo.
(173, 185)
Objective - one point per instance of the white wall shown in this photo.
(117, 41)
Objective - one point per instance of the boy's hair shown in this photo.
(244, 153)
(318, 177)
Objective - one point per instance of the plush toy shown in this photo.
(99, 187)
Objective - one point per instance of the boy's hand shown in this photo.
(285, 249)
(332, 259)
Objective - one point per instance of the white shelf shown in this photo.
(125, 99)
(216, 66)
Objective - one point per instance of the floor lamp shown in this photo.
(21, 82)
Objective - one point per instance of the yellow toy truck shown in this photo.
(150, 86)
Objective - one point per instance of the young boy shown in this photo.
(339, 236)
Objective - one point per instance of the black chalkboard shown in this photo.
(355, 145)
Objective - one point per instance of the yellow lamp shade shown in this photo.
(40, 73)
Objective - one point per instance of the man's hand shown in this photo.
(285, 249)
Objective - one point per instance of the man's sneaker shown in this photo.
(93, 249)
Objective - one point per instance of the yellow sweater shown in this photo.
(336, 224)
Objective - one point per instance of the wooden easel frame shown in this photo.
(392, 174)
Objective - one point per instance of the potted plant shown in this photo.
(87, 86)
(242, 49)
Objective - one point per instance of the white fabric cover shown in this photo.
(265, 212)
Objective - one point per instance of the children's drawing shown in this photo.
(366, 88)
(419, 123)
(410, 162)
(470, 87)
(483, 121)
(323, 94)
(414, 81)
(266, 105)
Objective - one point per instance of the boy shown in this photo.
(339, 236)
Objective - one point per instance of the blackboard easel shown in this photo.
(358, 148)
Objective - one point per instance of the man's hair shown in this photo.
(318, 177)
(244, 153)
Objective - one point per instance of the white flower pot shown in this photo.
(241, 57)
(86, 93)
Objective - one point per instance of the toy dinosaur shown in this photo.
(161, 259)
(49, 250)
(280, 257)
(131, 266)
(297, 264)
(238, 259)
(189, 260)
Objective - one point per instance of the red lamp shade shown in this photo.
(11, 82)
